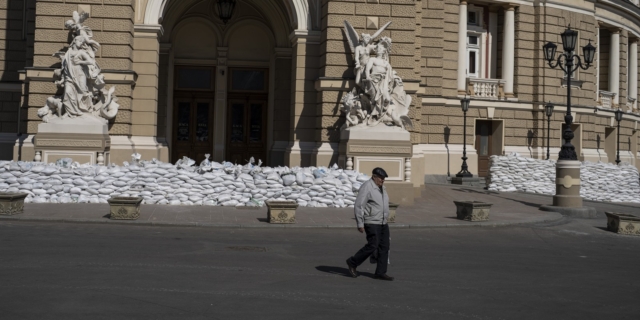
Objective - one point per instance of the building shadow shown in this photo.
(476, 191)
(339, 271)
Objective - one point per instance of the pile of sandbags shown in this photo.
(609, 182)
(599, 181)
(184, 183)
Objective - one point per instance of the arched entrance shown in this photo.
(217, 85)
(202, 72)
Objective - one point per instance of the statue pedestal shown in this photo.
(363, 148)
(83, 139)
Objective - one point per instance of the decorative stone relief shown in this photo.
(378, 96)
(85, 96)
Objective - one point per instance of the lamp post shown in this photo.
(567, 199)
(548, 109)
(619, 114)
(464, 172)
(566, 62)
(225, 9)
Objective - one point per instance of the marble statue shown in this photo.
(378, 96)
(85, 96)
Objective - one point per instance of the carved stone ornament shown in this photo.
(12, 203)
(623, 223)
(472, 210)
(378, 96)
(85, 97)
(124, 208)
(281, 211)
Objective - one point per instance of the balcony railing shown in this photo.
(489, 89)
(606, 98)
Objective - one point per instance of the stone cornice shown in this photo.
(156, 29)
(110, 76)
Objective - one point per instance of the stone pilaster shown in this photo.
(303, 130)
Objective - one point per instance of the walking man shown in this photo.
(372, 211)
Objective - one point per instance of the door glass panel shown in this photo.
(184, 120)
(194, 78)
(472, 62)
(237, 122)
(484, 139)
(247, 80)
(202, 121)
(255, 122)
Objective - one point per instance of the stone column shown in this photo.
(220, 115)
(462, 49)
(633, 71)
(614, 65)
(508, 50)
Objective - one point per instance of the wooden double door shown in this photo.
(194, 115)
(193, 128)
(246, 130)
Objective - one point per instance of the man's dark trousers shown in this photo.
(377, 238)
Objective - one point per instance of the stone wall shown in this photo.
(15, 55)
(432, 48)
(552, 23)
(450, 49)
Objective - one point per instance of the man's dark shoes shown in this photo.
(352, 270)
(383, 277)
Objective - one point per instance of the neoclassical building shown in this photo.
(269, 81)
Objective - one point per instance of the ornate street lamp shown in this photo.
(548, 109)
(566, 62)
(567, 198)
(464, 172)
(225, 9)
(619, 114)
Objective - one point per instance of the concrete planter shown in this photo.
(392, 212)
(125, 208)
(12, 203)
(281, 211)
(623, 223)
(472, 210)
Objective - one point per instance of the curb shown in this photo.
(553, 217)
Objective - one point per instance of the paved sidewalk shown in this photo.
(434, 209)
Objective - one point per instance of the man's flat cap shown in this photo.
(379, 172)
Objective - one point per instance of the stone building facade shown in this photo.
(268, 82)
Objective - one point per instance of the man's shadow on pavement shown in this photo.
(342, 271)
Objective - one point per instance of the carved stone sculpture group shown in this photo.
(378, 96)
(84, 94)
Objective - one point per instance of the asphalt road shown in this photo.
(569, 270)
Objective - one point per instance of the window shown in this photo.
(472, 18)
(475, 15)
(194, 78)
(473, 56)
(248, 80)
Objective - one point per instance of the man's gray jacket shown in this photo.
(372, 205)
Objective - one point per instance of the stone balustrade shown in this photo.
(490, 89)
